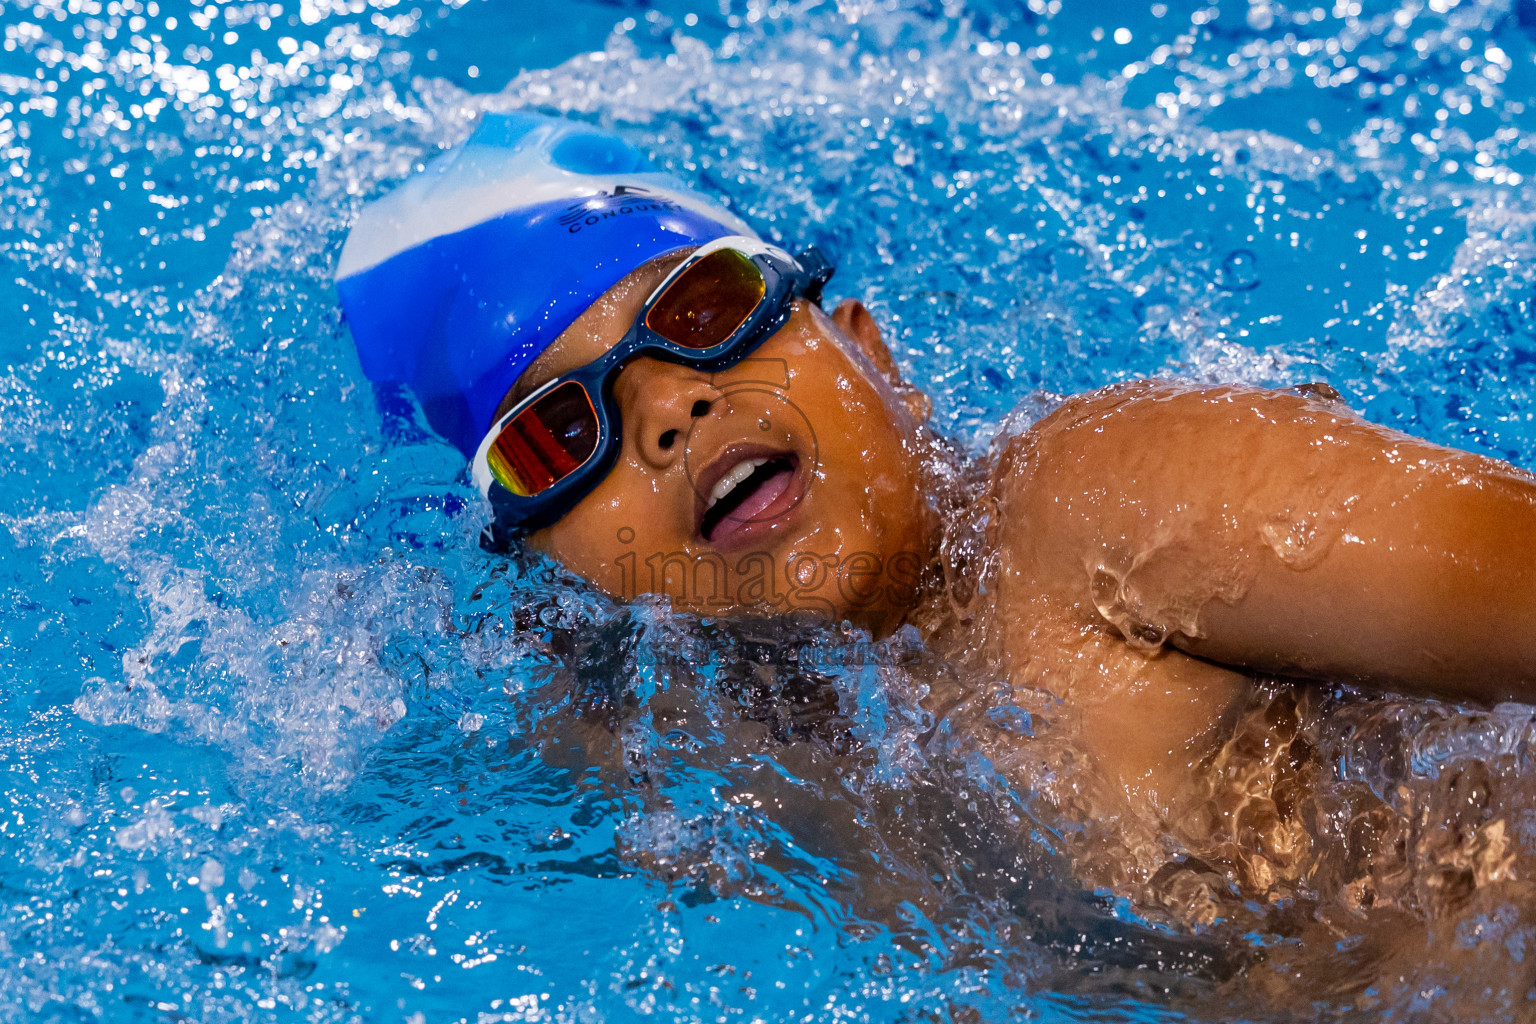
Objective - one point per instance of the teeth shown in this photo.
(728, 482)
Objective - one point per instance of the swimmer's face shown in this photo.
(789, 480)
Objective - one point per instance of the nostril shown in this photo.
(667, 439)
(700, 408)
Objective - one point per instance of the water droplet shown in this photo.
(1317, 389)
(1239, 272)
(211, 876)
(1525, 312)
(1295, 541)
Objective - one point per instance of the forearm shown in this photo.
(1432, 589)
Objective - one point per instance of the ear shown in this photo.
(854, 321)
(859, 326)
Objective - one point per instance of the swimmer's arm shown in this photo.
(1281, 533)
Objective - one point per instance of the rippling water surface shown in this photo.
(281, 743)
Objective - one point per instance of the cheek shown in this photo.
(624, 512)
(582, 539)
(865, 464)
(591, 545)
(857, 429)
(834, 390)
(862, 424)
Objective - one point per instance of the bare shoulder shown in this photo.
(1076, 531)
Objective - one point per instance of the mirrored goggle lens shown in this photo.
(546, 442)
(708, 301)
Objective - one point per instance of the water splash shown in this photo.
(247, 623)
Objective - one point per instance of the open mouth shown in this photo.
(745, 493)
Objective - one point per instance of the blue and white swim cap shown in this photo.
(455, 281)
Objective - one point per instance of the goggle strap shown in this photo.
(496, 539)
(818, 271)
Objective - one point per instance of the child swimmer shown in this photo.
(653, 396)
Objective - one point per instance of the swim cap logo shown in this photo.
(605, 205)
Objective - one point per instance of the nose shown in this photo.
(659, 403)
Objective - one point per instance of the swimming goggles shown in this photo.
(553, 447)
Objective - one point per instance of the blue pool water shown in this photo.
(281, 743)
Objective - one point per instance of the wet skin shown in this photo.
(1156, 543)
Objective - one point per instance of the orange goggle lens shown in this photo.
(708, 301)
(546, 442)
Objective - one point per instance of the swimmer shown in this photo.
(651, 394)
